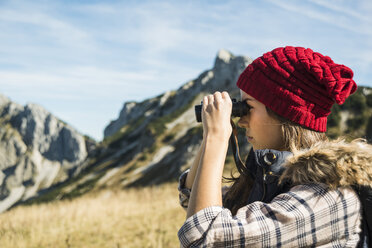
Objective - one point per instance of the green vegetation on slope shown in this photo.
(351, 118)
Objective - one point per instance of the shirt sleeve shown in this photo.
(308, 215)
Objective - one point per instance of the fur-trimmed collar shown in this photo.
(334, 163)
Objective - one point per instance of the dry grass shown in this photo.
(147, 217)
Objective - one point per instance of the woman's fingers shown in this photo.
(225, 95)
(208, 102)
(210, 99)
(205, 102)
(217, 98)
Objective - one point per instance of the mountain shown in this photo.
(153, 141)
(37, 151)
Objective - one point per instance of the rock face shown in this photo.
(36, 151)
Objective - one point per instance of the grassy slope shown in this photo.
(145, 217)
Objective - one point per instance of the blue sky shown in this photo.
(82, 60)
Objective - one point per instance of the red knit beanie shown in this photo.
(298, 84)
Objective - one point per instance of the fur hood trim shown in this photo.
(334, 163)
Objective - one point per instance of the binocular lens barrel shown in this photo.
(239, 109)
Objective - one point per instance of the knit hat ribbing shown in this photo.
(298, 84)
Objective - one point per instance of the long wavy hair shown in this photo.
(295, 137)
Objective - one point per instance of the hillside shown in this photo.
(98, 220)
(153, 141)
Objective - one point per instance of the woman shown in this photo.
(301, 195)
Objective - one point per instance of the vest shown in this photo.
(265, 167)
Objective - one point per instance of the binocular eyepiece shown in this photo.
(239, 109)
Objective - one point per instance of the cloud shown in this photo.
(348, 8)
(93, 82)
(55, 29)
(332, 13)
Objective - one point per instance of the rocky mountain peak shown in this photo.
(222, 76)
(224, 55)
(37, 150)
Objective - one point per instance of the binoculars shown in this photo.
(239, 109)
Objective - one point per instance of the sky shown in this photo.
(82, 60)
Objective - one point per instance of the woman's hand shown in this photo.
(216, 114)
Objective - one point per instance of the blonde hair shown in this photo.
(296, 137)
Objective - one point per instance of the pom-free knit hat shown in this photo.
(298, 84)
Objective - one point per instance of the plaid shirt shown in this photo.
(308, 215)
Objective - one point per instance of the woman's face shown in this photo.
(262, 131)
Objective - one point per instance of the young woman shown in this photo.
(301, 194)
